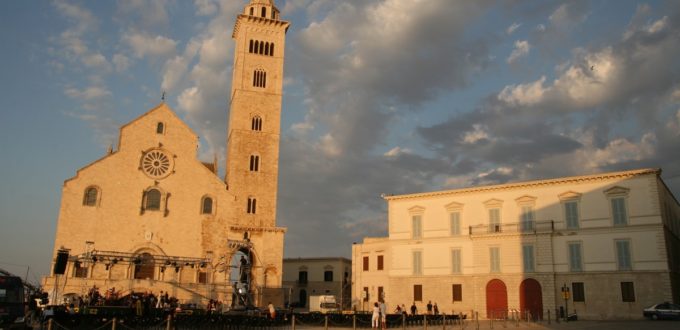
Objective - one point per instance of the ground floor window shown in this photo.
(627, 291)
(578, 292)
(457, 292)
(418, 292)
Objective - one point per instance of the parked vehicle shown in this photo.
(323, 304)
(663, 310)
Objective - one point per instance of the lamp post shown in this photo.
(565, 295)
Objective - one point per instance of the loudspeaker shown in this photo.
(62, 260)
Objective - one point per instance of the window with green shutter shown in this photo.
(571, 214)
(619, 211)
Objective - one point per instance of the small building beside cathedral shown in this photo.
(602, 246)
(149, 216)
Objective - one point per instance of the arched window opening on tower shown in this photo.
(252, 11)
(261, 47)
(90, 196)
(256, 124)
(160, 128)
(152, 200)
(254, 163)
(252, 205)
(260, 78)
(207, 205)
(264, 12)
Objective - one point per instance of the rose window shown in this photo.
(156, 164)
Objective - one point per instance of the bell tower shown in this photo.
(255, 114)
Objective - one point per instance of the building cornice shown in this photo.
(259, 229)
(268, 21)
(531, 184)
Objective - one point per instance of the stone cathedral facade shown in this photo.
(150, 216)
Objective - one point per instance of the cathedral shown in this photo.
(149, 216)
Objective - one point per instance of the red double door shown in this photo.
(530, 299)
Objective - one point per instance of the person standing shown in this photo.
(414, 309)
(376, 316)
(272, 311)
(436, 308)
(429, 307)
(383, 315)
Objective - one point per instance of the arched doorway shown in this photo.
(531, 299)
(144, 266)
(496, 299)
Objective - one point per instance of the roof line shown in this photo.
(523, 184)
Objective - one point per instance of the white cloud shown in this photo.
(175, 70)
(205, 7)
(97, 61)
(479, 132)
(657, 26)
(191, 100)
(91, 93)
(512, 28)
(521, 49)
(524, 94)
(121, 62)
(396, 151)
(146, 45)
(592, 82)
(622, 150)
(84, 19)
(329, 146)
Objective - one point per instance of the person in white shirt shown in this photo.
(376, 316)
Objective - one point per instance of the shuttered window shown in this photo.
(575, 262)
(619, 211)
(455, 223)
(417, 228)
(528, 258)
(494, 220)
(527, 221)
(495, 259)
(623, 254)
(455, 261)
(571, 214)
(417, 262)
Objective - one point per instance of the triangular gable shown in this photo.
(453, 206)
(160, 107)
(493, 202)
(569, 195)
(526, 199)
(416, 210)
(616, 191)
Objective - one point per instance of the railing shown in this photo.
(528, 227)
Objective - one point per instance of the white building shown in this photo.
(612, 239)
(318, 276)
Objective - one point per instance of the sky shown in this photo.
(380, 96)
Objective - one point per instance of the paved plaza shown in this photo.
(599, 325)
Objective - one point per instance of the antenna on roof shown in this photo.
(163, 96)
